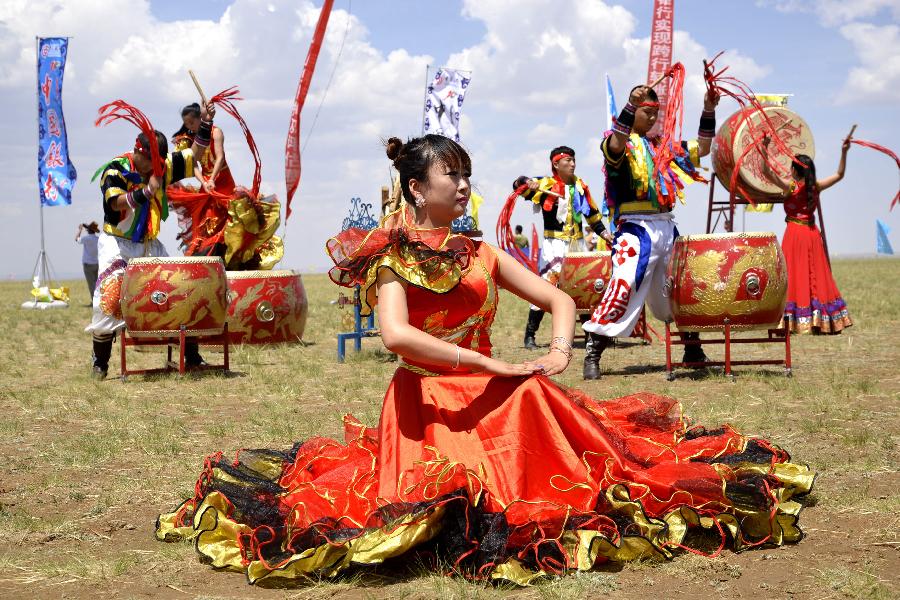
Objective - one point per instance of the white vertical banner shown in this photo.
(443, 102)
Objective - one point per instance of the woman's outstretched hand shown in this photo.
(552, 363)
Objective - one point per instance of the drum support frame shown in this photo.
(168, 341)
(774, 336)
(359, 329)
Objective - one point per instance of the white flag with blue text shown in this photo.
(443, 102)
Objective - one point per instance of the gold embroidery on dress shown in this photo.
(478, 323)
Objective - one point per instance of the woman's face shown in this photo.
(446, 193)
(191, 122)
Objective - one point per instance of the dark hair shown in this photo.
(518, 229)
(91, 227)
(651, 93)
(192, 109)
(806, 168)
(161, 142)
(415, 157)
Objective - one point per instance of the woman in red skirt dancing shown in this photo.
(814, 303)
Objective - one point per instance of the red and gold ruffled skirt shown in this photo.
(502, 478)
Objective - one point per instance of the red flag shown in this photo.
(535, 249)
(292, 146)
(661, 39)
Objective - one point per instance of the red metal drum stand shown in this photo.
(181, 339)
(774, 336)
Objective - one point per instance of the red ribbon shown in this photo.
(225, 99)
(887, 151)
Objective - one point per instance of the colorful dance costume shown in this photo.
(130, 232)
(814, 303)
(564, 219)
(493, 477)
(642, 197)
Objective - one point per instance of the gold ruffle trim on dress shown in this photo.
(216, 536)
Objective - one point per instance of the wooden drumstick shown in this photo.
(852, 129)
(658, 81)
(197, 85)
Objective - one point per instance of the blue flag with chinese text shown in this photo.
(56, 173)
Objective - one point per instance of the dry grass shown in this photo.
(88, 466)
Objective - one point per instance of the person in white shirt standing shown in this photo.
(87, 237)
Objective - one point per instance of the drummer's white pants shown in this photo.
(640, 258)
(553, 251)
(113, 253)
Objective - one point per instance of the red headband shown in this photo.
(138, 147)
(650, 104)
(561, 156)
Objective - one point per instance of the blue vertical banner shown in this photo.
(882, 243)
(56, 173)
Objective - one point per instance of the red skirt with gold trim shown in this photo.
(503, 478)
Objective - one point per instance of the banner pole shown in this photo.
(425, 99)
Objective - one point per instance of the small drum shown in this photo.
(584, 276)
(740, 277)
(266, 307)
(160, 295)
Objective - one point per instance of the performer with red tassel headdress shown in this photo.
(565, 202)
(644, 177)
(133, 189)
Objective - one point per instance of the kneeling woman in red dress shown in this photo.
(814, 303)
(478, 463)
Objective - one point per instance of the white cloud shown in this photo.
(878, 76)
(836, 12)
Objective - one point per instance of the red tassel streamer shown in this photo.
(880, 148)
(505, 237)
(670, 138)
(119, 109)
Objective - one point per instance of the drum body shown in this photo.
(160, 295)
(266, 307)
(584, 276)
(736, 135)
(740, 277)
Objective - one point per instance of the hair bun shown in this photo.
(392, 148)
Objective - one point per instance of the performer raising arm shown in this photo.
(814, 303)
(134, 204)
(643, 195)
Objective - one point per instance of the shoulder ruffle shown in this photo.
(432, 259)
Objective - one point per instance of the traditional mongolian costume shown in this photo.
(132, 231)
(494, 477)
(642, 193)
(566, 209)
(814, 303)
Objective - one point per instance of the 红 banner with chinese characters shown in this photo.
(443, 102)
(661, 39)
(56, 173)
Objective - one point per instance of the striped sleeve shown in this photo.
(112, 185)
(179, 165)
(613, 161)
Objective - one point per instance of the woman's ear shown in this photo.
(415, 187)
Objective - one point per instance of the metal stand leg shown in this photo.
(181, 341)
(670, 376)
(728, 372)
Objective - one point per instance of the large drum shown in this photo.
(736, 276)
(266, 307)
(160, 295)
(584, 276)
(738, 133)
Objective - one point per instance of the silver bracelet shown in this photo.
(456, 366)
(563, 340)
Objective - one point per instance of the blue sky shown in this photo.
(537, 82)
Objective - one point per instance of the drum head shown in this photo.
(792, 130)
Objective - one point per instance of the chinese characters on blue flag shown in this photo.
(56, 173)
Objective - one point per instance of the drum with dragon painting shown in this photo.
(160, 295)
(584, 276)
(738, 277)
(737, 144)
(266, 307)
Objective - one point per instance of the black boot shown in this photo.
(102, 351)
(534, 321)
(595, 346)
(192, 356)
(693, 353)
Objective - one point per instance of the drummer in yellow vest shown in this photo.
(565, 202)
(134, 205)
(642, 201)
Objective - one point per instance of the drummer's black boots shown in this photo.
(534, 321)
(102, 350)
(693, 353)
(192, 356)
(594, 347)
